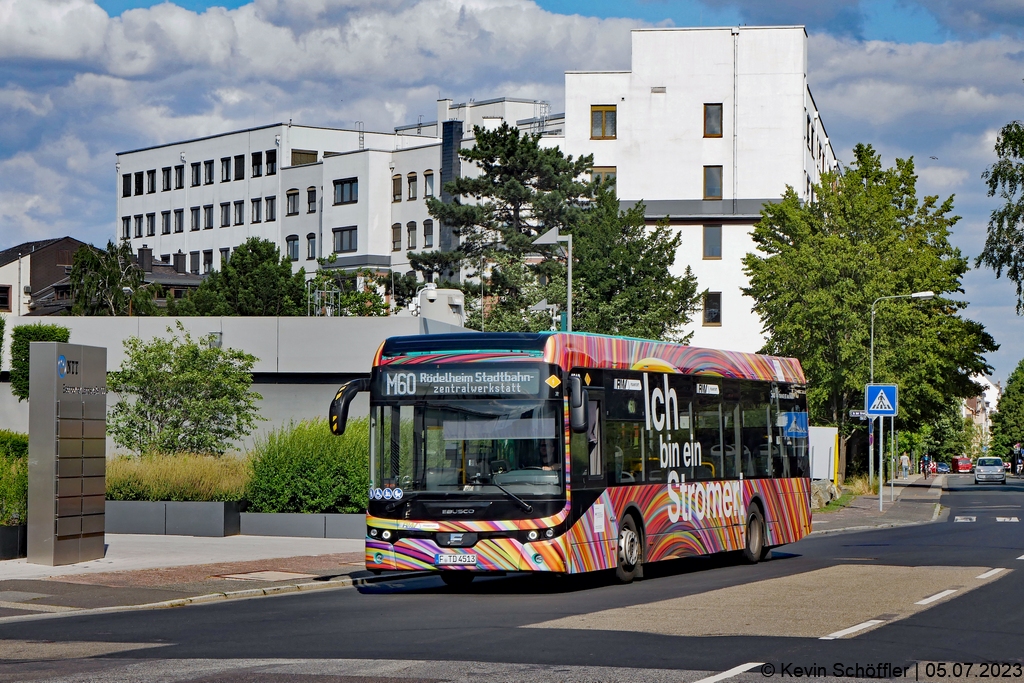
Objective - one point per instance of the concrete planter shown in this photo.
(13, 542)
(173, 518)
(316, 525)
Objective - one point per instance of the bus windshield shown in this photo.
(472, 446)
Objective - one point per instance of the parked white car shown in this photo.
(989, 469)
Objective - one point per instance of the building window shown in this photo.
(292, 207)
(151, 181)
(271, 162)
(302, 157)
(256, 214)
(194, 225)
(150, 225)
(126, 185)
(292, 244)
(5, 298)
(712, 241)
(396, 237)
(712, 120)
(138, 182)
(165, 223)
(208, 172)
(311, 200)
(225, 214)
(126, 227)
(208, 217)
(602, 122)
(410, 228)
(428, 234)
(165, 177)
(396, 188)
(225, 169)
(240, 167)
(138, 225)
(346, 191)
(602, 174)
(225, 253)
(207, 260)
(311, 246)
(271, 203)
(239, 212)
(179, 220)
(428, 184)
(713, 308)
(193, 262)
(195, 174)
(345, 240)
(412, 186)
(712, 182)
(179, 177)
(257, 164)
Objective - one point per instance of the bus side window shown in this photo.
(585, 450)
(708, 433)
(624, 452)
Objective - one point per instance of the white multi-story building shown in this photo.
(706, 127)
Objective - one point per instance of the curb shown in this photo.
(887, 525)
(270, 591)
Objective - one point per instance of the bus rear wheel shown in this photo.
(629, 550)
(457, 579)
(755, 548)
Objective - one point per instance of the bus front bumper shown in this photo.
(487, 555)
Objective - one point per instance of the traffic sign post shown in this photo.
(881, 401)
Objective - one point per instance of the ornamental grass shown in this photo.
(177, 477)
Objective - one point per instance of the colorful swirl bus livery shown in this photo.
(568, 452)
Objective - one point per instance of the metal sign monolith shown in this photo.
(67, 417)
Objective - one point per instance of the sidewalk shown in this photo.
(917, 502)
(167, 571)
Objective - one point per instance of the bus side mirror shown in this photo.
(577, 406)
(337, 416)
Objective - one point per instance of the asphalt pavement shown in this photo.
(906, 592)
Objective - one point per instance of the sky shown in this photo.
(81, 80)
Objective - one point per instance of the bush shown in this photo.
(13, 478)
(305, 468)
(21, 336)
(180, 477)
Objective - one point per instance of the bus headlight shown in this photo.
(550, 533)
(533, 535)
(373, 533)
(386, 535)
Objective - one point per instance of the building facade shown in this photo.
(32, 271)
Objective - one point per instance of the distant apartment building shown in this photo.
(706, 127)
(34, 271)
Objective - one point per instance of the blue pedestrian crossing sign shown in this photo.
(880, 400)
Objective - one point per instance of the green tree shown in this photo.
(104, 282)
(1008, 422)
(256, 280)
(180, 395)
(21, 337)
(950, 433)
(522, 191)
(1004, 245)
(622, 279)
(821, 265)
(337, 292)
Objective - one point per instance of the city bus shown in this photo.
(570, 452)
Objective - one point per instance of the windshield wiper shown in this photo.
(522, 503)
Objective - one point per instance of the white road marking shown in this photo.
(1007, 519)
(36, 607)
(853, 629)
(938, 596)
(965, 519)
(991, 572)
(735, 671)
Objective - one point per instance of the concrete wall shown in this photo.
(301, 360)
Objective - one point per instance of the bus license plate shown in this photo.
(463, 559)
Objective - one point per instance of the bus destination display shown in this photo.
(471, 382)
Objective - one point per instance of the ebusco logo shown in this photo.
(400, 384)
(66, 367)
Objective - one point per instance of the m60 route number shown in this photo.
(400, 384)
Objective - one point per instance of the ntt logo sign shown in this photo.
(66, 367)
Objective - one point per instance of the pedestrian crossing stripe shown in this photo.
(881, 404)
(1007, 519)
(965, 519)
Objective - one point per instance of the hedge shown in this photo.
(21, 336)
(13, 478)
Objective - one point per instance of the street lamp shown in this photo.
(128, 291)
(923, 296)
(552, 237)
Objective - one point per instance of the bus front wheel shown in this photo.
(629, 550)
(755, 548)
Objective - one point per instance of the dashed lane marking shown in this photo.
(1007, 519)
(853, 629)
(938, 596)
(991, 572)
(965, 519)
(735, 671)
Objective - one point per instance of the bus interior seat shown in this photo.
(704, 471)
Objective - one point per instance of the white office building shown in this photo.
(706, 127)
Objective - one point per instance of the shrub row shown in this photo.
(13, 478)
(181, 476)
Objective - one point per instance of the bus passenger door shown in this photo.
(591, 539)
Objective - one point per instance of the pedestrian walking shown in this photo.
(905, 464)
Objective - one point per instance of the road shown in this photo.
(942, 592)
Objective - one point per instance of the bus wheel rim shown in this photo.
(629, 549)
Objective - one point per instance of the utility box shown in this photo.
(67, 462)
(824, 442)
